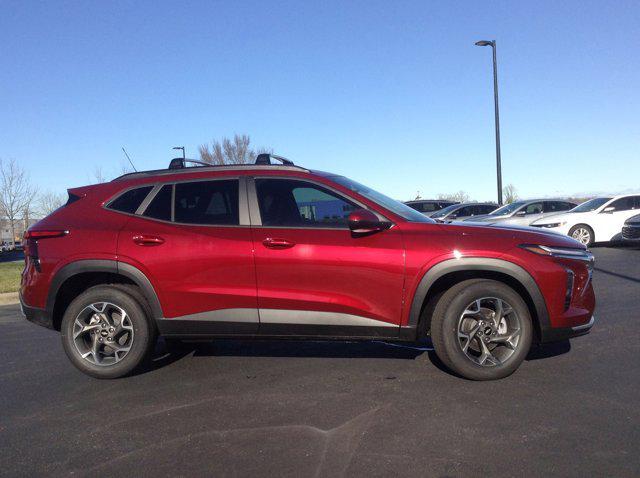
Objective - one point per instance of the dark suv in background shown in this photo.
(270, 250)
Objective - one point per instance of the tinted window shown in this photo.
(626, 204)
(534, 208)
(557, 206)
(590, 205)
(294, 203)
(160, 206)
(465, 211)
(207, 202)
(484, 209)
(130, 201)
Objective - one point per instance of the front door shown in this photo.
(608, 223)
(313, 276)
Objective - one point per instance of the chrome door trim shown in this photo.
(314, 317)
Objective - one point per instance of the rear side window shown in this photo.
(160, 206)
(207, 202)
(130, 201)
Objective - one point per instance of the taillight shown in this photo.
(46, 234)
(30, 243)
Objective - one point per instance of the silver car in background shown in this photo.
(523, 213)
(460, 212)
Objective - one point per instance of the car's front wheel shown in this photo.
(481, 329)
(582, 233)
(106, 333)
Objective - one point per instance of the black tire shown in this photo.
(144, 334)
(587, 229)
(445, 322)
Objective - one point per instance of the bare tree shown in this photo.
(510, 193)
(48, 202)
(98, 175)
(460, 196)
(16, 193)
(236, 151)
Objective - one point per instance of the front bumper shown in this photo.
(557, 334)
(36, 315)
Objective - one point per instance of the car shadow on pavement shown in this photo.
(168, 353)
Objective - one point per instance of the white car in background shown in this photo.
(597, 220)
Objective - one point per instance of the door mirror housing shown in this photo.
(363, 221)
(609, 209)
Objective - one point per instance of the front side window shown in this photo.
(293, 203)
(533, 208)
(130, 201)
(207, 203)
(386, 202)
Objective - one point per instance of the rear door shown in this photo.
(193, 241)
(313, 277)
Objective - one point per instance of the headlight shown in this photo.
(561, 252)
(552, 224)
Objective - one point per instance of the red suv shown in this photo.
(270, 250)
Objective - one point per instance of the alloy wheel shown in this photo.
(582, 235)
(489, 331)
(103, 333)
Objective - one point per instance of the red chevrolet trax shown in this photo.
(277, 250)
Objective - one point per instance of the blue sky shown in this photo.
(392, 94)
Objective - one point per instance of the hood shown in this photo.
(635, 220)
(516, 234)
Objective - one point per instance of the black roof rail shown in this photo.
(265, 158)
(180, 163)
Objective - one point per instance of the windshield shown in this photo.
(392, 205)
(590, 205)
(508, 209)
(443, 212)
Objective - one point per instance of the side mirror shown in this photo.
(363, 221)
(609, 209)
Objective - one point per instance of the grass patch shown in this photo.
(10, 276)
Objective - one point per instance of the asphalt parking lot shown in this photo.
(264, 408)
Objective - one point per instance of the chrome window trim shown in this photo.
(146, 201)
(243, 213)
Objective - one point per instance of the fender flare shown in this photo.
(110, 266)
(478, 264)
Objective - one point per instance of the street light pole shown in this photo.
(492, 44)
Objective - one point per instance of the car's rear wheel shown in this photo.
(481, 329)
(106, 332)
(582, 233)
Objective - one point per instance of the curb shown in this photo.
(9, 298)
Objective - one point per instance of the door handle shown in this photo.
(273, 243)
(147, 240)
